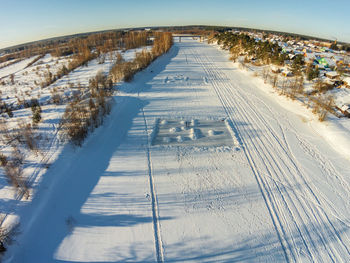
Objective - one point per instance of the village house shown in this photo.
(347, 82)
(332, 75)
(345, 109)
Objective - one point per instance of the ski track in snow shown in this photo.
(154, 199)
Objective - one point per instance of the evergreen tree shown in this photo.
(297, 64)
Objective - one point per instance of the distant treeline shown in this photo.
(101, 37)
(102, 42)
(84, 50)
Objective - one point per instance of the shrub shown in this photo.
(56, 98)
(25, 136)
(297, 64)
(102, 58)
(6, 134)
(13, 172)
(312, 72)
(82, 116)
(12, 79)
(7, 236)
(143, 59)
(321, 86)
(62, 71)
(275, 80)
(9, 112)
(36, 111)
(322, 105)
(123, 71)
(119, 58)
(3, 160)
(74, 122)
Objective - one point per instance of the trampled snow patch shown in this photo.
(194, 132)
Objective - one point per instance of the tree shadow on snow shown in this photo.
(139, 83)
(67, 185)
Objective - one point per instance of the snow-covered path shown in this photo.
(306, 222)
(281, 195)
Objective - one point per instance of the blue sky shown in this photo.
(27, 20)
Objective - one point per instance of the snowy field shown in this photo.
(276, 193)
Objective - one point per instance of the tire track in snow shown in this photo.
(286, 193)
(326, 166)
(315, 207)
(265, 194)
(328, 169)
(155, 211)
(313, 198)
(285, 201)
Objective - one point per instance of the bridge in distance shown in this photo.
(179, 36)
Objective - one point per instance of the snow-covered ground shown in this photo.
(27, 86)
(27, 80)
(278, 192)
(13, 68)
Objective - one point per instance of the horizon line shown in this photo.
(125, 28)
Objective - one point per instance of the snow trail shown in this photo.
(155, 213)
(298, 215)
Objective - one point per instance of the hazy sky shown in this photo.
(27, 20)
